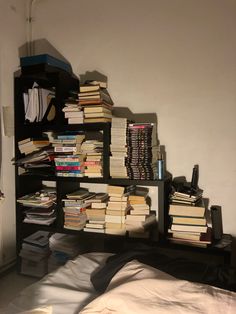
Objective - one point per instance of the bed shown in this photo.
(137, 281)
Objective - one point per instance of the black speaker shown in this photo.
(216, 218)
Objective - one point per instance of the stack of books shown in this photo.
(40, 215)
(117, 208)
(73, 112)
(74, 207)
(142, 151)
(96, 102)
(30, 145)
(187, 213)
(96, 213)
(92, 149)
(34, 254)
(63, 247)
(41, 205)
(139, 220)
(118, 148)
(69, 159)
(37, 162)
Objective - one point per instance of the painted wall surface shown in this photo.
(12, 36)
(174, 58)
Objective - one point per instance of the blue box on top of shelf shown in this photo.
(45, 59)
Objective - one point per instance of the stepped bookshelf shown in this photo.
(48, 76)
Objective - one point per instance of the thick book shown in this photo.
(91, 211)
(78, 194)
(89, 229)
(96, 120)
(187, 210)
(134, 218)
(142, 224)
(115, 219)
(192, 236)
(97, 115)
(102, 84)
(89, 88)
(115, 190)
(74, 114)
(97, 109)
(140, 206)
(184, 235)
(139, 212)
(97, 205)
(203, 240)
(189, 228)
(95, 225)
(121, 212)
(188, 220)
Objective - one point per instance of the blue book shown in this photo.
(45, 59)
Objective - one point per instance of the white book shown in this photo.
(75, 120)
(94, 230)
(115, 219)
(74, 114)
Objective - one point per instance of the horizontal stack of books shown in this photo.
(96, 102)
(187, 213)
(69, 161)
(39, 155)
(117, 208)
(40, 215)
(40, 206)
(74, 207)
(118, 148)
(96, 213)
(73, 112)
(92, 149)
(30, 145)
(140, 219)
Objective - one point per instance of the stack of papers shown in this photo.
(36, 102)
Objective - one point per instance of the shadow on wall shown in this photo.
(41, 46)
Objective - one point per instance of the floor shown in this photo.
(11, 284)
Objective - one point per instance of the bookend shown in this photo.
(216, 218)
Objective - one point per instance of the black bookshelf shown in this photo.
(48, 76)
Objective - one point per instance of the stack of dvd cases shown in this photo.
(142, 151)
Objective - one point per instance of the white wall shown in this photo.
(175, 58)
(12, 36)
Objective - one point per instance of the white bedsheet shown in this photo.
(141, 289)
(64, 291)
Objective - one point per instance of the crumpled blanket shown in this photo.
(220, 276)
(139, 289)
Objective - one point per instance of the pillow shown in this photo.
(138, 289)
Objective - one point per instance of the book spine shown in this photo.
(68, 174)
(69, 168)
(65, 149)
(68, 163)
